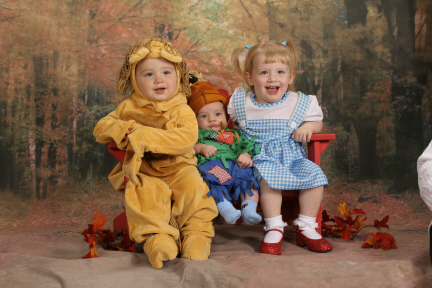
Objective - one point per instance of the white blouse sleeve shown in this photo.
(314, 112)
(424, 170)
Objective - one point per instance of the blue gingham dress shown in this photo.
(282, 162)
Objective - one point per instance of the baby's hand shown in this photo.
(303, 134)
(127, 132)
(208, 150)
(244, 160)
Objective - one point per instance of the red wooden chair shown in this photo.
(290, 203)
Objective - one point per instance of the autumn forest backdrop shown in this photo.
(369, 63)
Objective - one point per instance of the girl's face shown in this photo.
(269, 80)
(156, 79)
(211, 116)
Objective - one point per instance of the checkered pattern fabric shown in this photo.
(282, 162)
(221, 174)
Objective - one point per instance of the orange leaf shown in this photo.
(342, 209)
(386, 241)
(346, 233)
(359, 223)
(382, 223)
(93, 251)
(372, 239)
(98, 222)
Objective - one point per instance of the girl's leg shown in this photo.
(271, 201)
(310, 201)
(249, 206)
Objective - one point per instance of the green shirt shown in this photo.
(225, 151)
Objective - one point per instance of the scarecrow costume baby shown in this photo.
(158, 131)
(228, 181)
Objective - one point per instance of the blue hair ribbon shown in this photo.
(283, 43)
(248, 47)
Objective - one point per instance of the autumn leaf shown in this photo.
(372, 241)
(386, 241)
(89, 230)
(358, 211)
(342, 209)
(346, 233)
(340, 222)
(359, 223)
(98, 222)
(382, 223)
(326, 217)
(93, 251)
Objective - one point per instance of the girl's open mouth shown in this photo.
(272, 89)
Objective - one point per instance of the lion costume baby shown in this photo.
(158, 137)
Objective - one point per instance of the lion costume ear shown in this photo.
(139, 55)
(171, 56)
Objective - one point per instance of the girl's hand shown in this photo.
(244, 160)
(205, 150)
(304, 133)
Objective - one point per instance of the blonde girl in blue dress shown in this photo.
(284, 122)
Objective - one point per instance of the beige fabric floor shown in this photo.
(51, 257)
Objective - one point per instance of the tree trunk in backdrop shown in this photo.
(406, 92)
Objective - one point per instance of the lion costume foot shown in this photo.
(196, 247)
(159, 248)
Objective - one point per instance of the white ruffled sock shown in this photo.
(274, 223)
(307, 225)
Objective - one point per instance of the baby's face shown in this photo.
(156, 79)
(211, 116)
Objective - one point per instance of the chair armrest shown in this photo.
(115, 151)
(317, 145)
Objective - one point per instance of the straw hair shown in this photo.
(273, 52)
(124, 78)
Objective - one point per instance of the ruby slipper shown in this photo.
(271, 248)
(315, 245)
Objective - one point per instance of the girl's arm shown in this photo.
(304, 133)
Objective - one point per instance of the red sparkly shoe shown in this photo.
(271, 248)
(315, 245)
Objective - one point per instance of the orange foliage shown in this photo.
(347, 228)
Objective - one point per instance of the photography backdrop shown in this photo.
(369, 63)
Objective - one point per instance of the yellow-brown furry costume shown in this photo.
(159, 162)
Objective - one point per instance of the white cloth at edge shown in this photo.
(424, 170)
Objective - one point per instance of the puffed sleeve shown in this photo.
(314, 112)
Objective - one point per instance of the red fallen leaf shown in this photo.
(359, 223)
(342, 209)
(372, 239)
(358, 211)
(325, 217)
(346, 233)
(98, 222)
(349, 220)
(93, 251)
(382, 223)
(386, 241)
(340, 223)
(89, 230)
(366, 245)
